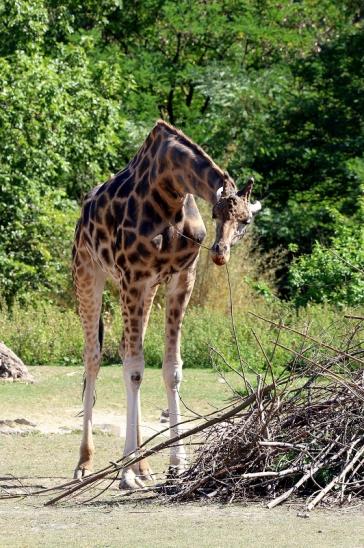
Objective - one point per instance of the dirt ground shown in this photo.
(152, 525)
(44, 452)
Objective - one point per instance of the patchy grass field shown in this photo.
(45, 454)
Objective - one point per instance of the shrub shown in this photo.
(43, 335)
(331, 274)
(51, 335)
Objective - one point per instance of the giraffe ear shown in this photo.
(219, 193)
(247, 190)
(254, 208)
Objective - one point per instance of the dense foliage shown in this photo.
(270, 87)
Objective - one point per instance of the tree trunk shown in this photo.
(11, 367)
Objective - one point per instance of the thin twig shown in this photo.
(248, 386)
(306, 336)
(338, 478)
(159, 447)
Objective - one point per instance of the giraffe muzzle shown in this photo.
(220, 254)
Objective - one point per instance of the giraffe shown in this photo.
(142, 228)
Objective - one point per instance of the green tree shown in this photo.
(82, 84)
(310, 158)
(332, 274)
(62, 130)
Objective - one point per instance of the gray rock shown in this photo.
(12, 367)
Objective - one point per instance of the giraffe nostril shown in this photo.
(220, 249)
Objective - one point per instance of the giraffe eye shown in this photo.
(241, 229)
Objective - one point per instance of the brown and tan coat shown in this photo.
(142, 228)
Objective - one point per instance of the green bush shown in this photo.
(332, 274)
(61, 130)
(43, 334)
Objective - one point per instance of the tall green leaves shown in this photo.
(331, 275)
(313, 157)
(269, 87)
(62, 131)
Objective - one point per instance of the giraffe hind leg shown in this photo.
(89, 282)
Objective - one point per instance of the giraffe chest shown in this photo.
(171, 251)
(161, 256)
(144, 245)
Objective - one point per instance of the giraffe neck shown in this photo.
(175, 167)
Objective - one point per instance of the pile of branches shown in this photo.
(302, 436)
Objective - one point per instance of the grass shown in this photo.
(192, 526)
(58, 390)
(46, 334)
(49, 459)
(55, 398)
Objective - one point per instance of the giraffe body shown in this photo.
(143, 228)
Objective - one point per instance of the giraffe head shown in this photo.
(232, 212)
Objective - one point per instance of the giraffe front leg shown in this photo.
(178, 296)
(133, 370)
(136, 314)
(172, 375)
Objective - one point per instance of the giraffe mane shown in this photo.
(186, 141)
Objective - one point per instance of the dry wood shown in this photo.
(338, 478)
(309, 427)
(306, 336)
(311, 472)
(300, 435)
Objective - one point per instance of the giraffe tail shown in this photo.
(101, 332)
(101, 340)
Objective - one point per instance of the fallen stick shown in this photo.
(282, 444)
(360, 463)
(343, 483)
(247, 475)
(304, 478)
(109, 468)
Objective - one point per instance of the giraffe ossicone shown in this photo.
(142, 228)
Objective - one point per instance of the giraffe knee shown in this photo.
(173, 376)
(136, 377)
(133, 377)
(133, 370)
(92, 360)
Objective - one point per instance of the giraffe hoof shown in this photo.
(130, 481)
(145, 472)
(81, 473)
(147, 476)
(176, 470)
